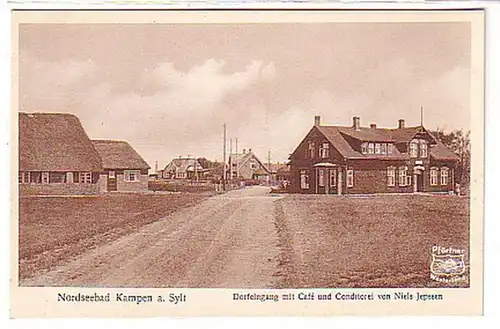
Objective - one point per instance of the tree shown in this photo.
(458, 141)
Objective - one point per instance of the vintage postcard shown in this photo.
(290, 163)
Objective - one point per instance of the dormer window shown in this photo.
(389, 148)
(377, 148)
(364, 148)
(371, 148)
(414, 148)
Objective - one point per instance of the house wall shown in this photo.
(103, 183)
(58, 188)
(123, 186)
(451, 177)
(246, 171)
(371, 177)
(300, 161)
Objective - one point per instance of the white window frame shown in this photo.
(350, 177)
(310, 149)
(127, 174)
(403, 178)
(433, 178)
(444, 177)
(112, 174)
(414, 148)
(304, 179)
(333, 177)
(383, 148)
(423, 148)
(378, 148)
(364, 148)
(371, 148)
(324, 150)
(24, 177)
(45, 178)
(321, 177)
(389, 148)
(253, 165)
(85, 177)
(391, 176)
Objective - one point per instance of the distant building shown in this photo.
(247, 166)
(280, 172)
(124, 170)
(183, 168)
(56, 156)
(355, 159)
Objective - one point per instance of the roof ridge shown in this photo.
(109, 140)
(47, 113)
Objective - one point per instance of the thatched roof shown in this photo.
(55, 142)
(183, 165)
(119, 155)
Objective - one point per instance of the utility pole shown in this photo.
(224, 162)
(269, 166)
(237, 160)
(421, 116)
(230, 160)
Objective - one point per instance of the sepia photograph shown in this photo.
(259, 154)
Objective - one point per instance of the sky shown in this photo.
(168, 89)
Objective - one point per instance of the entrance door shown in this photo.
(420, 182)
(322, 180)
(111, 180)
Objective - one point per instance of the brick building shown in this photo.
(358, 160)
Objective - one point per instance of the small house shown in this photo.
(247, 166)
(124, 170)
(183, 168)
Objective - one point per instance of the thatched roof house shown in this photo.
(55, 155)
(119, 155)
(183, 168)
(124, 168)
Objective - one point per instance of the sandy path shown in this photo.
(226, 241)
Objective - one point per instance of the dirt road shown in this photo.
(226, 241)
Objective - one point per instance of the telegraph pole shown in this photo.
(224, 162)
(237, 160)
(269, 175)
(230, 160)
(421, 116)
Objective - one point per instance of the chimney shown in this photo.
(355, 123)
(249, 150)
(401, 123)
(244, 150)
(373, 126)
(317, 120)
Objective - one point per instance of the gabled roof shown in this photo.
(119, 155)
(339, 137)
(183, 165)
(55, 142)
(441, 152)
(382, 134)
(242, 159)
